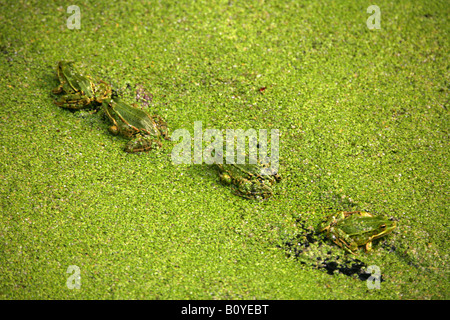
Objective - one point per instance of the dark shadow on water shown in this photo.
(306, 238)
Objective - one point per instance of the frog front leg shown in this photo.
(142, 143)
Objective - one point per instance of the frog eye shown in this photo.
(383, 226)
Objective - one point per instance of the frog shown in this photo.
(247, 180)
(145, 131)
(79, 91)
(349, 230)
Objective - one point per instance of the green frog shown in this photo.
(144, 130)
(350, 230)
(79, 90)
(247, 180)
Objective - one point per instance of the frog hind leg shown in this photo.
(162, 125)
(225, 178)
(73, 101)
(357, 213)
(103, 91)
(343, 240)
(252, 189)
(142, 143)
(58, 89)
